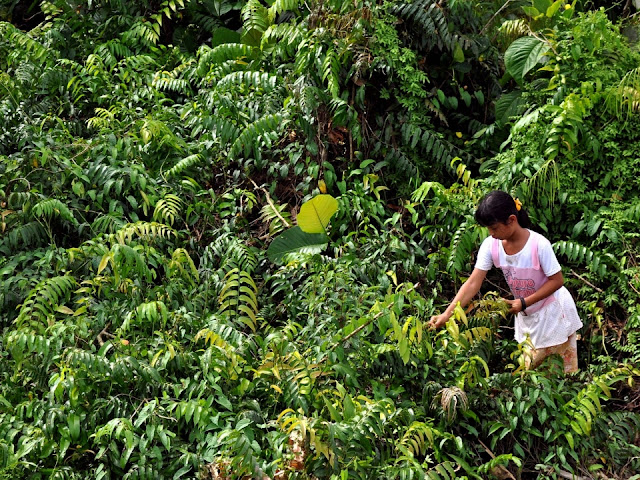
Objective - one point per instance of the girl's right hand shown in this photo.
(437, 321)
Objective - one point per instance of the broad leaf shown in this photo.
(224, 35)
(555, 6)
(458, 54)
(507, 106)
(315, 214)
(522, 55)
(295, 240)
(541, 5)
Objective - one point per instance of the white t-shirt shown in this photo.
(552, 324)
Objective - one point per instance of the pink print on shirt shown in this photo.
(520, 287)
(524, 281)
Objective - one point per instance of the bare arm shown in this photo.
(553, 283)
(468, 290)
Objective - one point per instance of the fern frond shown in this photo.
(22, 42)
(275, 216)
(443, 471)
(52, 207)
(184, 165)
(224, 130)
(463, 243)
(146, 33)
(499, 461)
(107, 224)
(477, 334)
(144, 231)
(238, 298)
(26, 73)
(236, 52)
(208, 23)
(243, 453)
(562, 137)
(579, 253)
(544, 183)
(330, 72)
(510, 30)
(280, 6)
(24, 342)
(420, 437)
(182, 265)
(421, 193)
(285, 35)
(463, 173)
(264, 81)
(248, 140)
(125, 260)
(168, 209)
(430, 142)
(104, 118)
(226, 253)
(96, 63)
(124, 370)
(255, 17)
(226, 347)
(152, 312)
(153, 129)
(47, 298)
(584, 407)
(402, 164)
(221, 334)
(143, 472)
(138, 62)
(429, 20)
(118, 49)
(27, 235)
(166, 81)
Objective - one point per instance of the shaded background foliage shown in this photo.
(151, 151)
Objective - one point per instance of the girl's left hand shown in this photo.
(514, 305)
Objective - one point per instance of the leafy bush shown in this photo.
(151, 154)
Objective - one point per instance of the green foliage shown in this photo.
(160, 318)
(523, 55)
(295, 240)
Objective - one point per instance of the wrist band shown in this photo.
(523, 304)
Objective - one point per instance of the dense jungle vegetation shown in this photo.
(169, 309)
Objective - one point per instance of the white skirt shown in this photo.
(551, 325)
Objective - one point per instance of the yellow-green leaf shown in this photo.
(104, 262)
(315, 214)
(458, 54)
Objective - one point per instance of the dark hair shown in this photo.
(498, 206)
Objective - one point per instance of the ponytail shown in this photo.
(523, 218)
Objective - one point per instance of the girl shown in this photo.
(544, 308)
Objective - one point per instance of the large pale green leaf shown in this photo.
(315, 214)
(295, 240)
(522, 55)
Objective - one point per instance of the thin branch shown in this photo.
(586, 281)
(105, 333)
(506, 4)
(502, 468)
(569, 476)
(356, 331)
(271, 203)
(502, 289)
